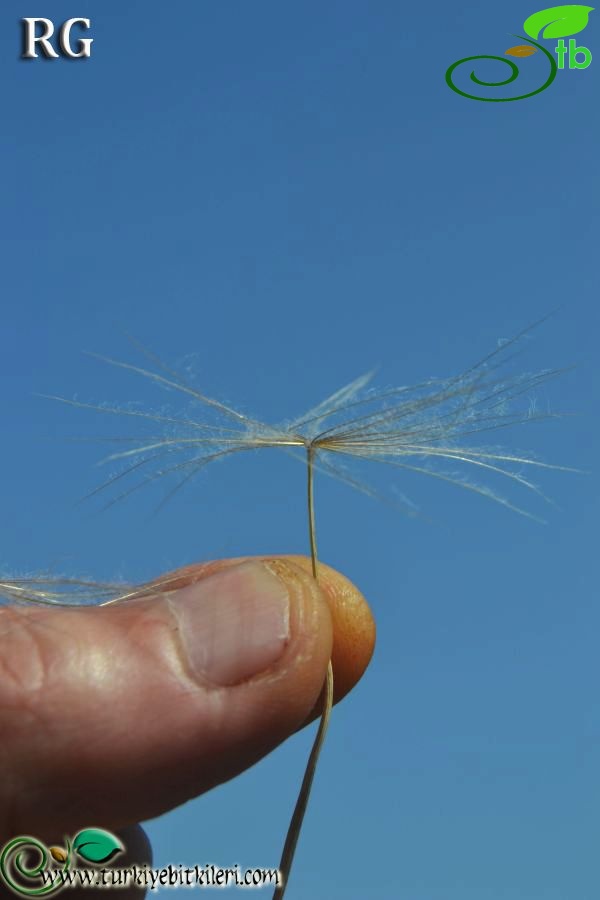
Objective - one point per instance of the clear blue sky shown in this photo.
(291, 194)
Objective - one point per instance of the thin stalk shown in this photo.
(293, 833)
(312, 531)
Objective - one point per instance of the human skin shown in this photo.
(112, 715)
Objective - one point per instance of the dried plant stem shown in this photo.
(312, 531)
(291, 840)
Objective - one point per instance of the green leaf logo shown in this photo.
(96, 845)
(557, 21)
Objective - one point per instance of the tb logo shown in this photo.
(37, 32)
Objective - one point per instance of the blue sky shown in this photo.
(278, 197)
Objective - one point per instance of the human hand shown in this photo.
(112, 715)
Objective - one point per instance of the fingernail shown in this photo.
(234, 624)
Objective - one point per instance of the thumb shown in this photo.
(112, 715)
